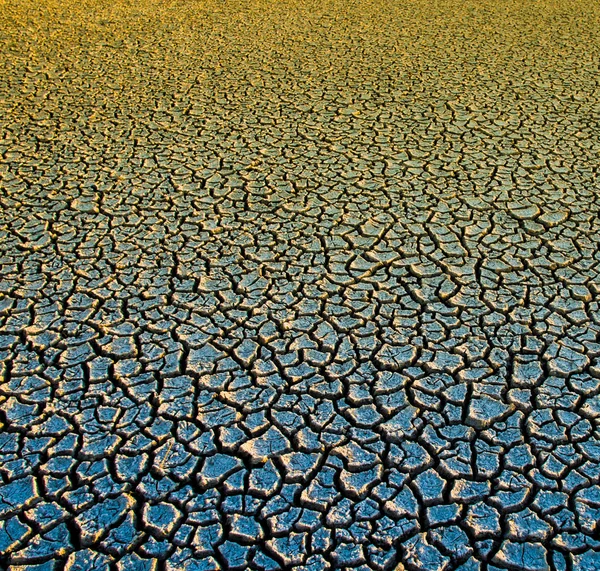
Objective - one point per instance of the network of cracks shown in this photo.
(351, 327)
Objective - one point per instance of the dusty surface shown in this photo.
(299, 285)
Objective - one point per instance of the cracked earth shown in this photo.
(299, 285)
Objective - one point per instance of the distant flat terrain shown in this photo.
(300, 285)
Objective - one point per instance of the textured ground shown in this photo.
(299, 285)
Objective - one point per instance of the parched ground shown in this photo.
(300, 285)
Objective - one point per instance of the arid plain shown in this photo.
(299, 285)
